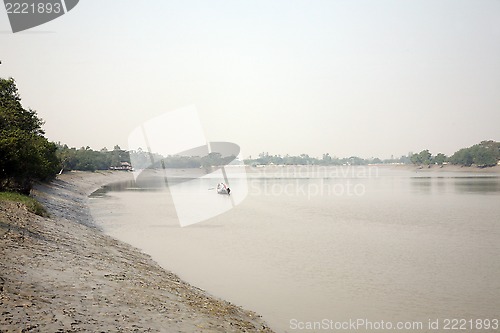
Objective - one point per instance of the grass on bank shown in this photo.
(31, 204)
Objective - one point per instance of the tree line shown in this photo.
(304, 159)
(86, 159)
(484, 154)
(26, 155)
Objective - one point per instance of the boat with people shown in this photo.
(223, 189)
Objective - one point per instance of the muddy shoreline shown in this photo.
(61, 274)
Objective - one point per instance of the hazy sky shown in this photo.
(371, 78)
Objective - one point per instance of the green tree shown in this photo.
(327, 159)
(25, 154)
(483, 157)
(484, 154)
(424, 157)
(440, 158)
(463, 157)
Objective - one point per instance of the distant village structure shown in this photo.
(125, 166)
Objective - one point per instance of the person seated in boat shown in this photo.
(223, 188)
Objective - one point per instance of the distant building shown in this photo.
(126, 166)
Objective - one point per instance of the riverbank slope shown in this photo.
(60, 274)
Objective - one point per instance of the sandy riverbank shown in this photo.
(60, 274)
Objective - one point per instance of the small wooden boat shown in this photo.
(223, 189)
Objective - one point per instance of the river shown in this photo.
(328, 245)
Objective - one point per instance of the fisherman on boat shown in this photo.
(223, 189)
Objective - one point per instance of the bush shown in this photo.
(31, 204)
(25, 154)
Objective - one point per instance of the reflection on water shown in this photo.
(480, 185)
(408, 247)
(477, 185)
(141, 184)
